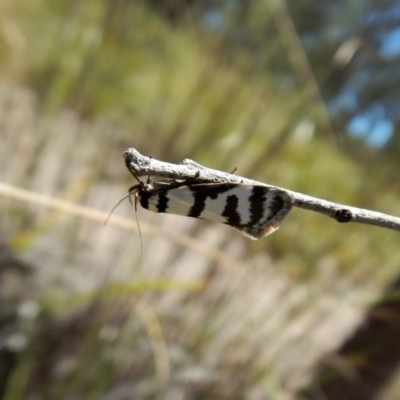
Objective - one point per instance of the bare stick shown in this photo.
(141, 165)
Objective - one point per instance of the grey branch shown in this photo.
(146, 166)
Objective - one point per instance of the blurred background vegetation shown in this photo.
(303, 95)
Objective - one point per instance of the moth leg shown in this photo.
(133, 190)
(134, 187)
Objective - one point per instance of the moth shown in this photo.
(254, 210)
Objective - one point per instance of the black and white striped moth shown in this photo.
(254, 210)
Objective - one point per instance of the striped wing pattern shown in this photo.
(256, 211)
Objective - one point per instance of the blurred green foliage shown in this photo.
(242, 95)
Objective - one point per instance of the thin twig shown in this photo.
(188, 169)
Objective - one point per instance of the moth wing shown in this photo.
(177, 200)
(279, 205)
(256, 211)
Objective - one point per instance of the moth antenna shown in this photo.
(140, 232)
(133, 191)
(234, 170)
(112, 210)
